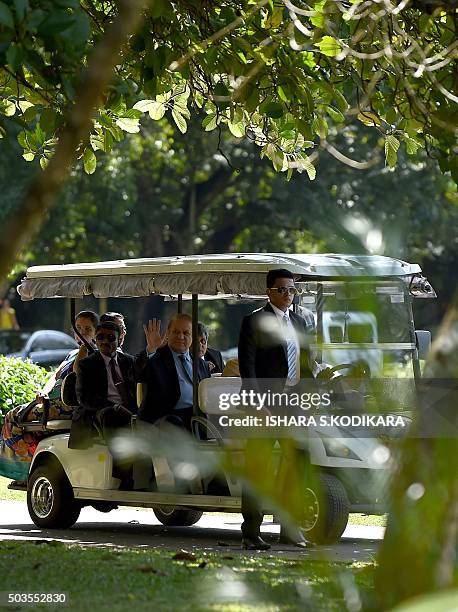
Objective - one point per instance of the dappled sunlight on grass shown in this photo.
(118, 579)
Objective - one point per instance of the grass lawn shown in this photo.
(372, 520)
(126, 579)
(5, 493)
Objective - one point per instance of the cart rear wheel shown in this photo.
(177, 517)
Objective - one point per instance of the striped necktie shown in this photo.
(291, 351)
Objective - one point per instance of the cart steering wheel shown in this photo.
(358, 369)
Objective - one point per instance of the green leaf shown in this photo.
(44, 161)
(30, 113)
(9, 108)
(282, 93)
(128, 125)
(155, 109)
(6, 16)
(391, 150)
(335, 114)
(180, 121)
(272, 109)
(209, 122)
(320, 127)
(237, 129)
(48, 120)
(116, 132)
(329, 46)
(340, 100)
(279, 160)
(79, 31)
(368, 118)
(89, 161)
(132, 113)
(21, 7)
(24, 105)
(28, 156)
(304, 163)
(22, 140)
(56, 23)
(14, 56)
(412, 145)
(182, 109)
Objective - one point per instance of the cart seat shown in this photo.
(210, 390)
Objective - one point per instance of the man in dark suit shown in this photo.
(273, 355)
(106, 388)
(211, 355)
(169, 375)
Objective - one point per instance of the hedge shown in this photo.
(19, 382)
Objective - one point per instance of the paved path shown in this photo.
(139, 528)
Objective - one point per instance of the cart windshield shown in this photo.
(369, 322)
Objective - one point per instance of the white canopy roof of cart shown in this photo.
(232, 274)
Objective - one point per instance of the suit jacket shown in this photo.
(92, 392)
(214, 356)
(263, 349)
(163, 390)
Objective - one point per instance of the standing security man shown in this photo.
(273, 356)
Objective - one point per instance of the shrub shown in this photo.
(19, 382)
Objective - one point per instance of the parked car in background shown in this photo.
(46, 347)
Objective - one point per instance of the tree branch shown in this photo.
(29, 216)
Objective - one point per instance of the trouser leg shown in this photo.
(292, 482)
(143, 470)
(114, 424)
(259, 479)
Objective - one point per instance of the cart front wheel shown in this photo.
(327, 510)
(50, 498)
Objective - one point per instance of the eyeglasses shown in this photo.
(107, 337)
(285, 290)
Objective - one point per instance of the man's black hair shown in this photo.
(109, 325)
(88, 314)
(272, 276)
(111, 316)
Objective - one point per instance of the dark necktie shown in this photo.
(119, 383)
(186, 367)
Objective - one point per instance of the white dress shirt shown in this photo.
(289, 336)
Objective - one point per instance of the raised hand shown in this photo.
(154, 338)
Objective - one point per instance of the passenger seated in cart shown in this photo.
(106, 390)
(117, 318)
(18, 447)
(169, 374)
(86, 323)
(211, 355)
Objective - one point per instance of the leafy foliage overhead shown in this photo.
(287, 75)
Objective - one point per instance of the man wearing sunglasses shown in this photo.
(106, 389)
(273, 356)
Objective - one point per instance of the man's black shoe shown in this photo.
(254, 543)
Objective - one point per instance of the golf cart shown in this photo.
(372, 298)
